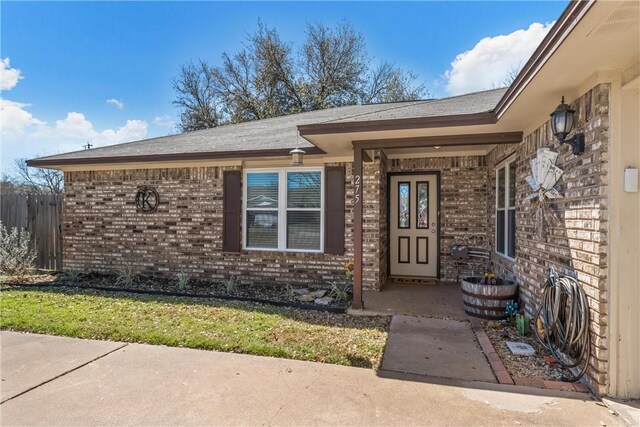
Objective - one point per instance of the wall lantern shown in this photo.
(561, 123)
(297, 154)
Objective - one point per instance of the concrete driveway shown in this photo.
(62, 381)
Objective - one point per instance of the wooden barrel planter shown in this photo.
(487, 301)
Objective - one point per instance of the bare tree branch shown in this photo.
(38, 180)
(195, 97)
(508, 79)
(335, 63)
(267, 79)
(388, 83)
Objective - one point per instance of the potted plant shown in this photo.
(486, 297)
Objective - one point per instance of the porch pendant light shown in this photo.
(297, 154)
(562, 120)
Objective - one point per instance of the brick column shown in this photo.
(357, 229)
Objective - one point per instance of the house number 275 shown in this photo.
(357, 184)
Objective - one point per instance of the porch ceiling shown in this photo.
(444, 140)
(442, 151)
(342, 144)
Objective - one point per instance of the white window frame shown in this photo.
(282, 208)
(507, 164)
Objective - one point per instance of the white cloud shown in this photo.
(163, 121)
(74, 126)
(133, 130)
(8, 76)
(492, 59)
(14, 118)
(23, 135)
(117, 103)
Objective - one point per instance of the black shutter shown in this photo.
(231, 211)
(334, 210)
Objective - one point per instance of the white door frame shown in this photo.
(439, 225)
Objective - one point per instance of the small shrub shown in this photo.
(125, 276)
(17, 253)
(290, 292)
(182, 280)
(73, 276)
(340, 291)
(231, 284)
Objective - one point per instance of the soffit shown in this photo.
(341, 144)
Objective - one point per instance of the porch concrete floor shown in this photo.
(443, 300)
(444, 348)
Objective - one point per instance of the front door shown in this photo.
(413, 225)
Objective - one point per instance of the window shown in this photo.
(422, 204)
(506, 209)
(284, 209)
(404, 208)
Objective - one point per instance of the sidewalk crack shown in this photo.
(65, 373)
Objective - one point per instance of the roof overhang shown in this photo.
(567, 21)
(180, 157)
(341, 144)
(594, 42)
(441, 141)
(398, 124)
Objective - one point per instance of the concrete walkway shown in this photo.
(444, 348)
(58, 381)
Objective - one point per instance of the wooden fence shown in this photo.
(42, 216)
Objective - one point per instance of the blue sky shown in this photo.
(63, 61)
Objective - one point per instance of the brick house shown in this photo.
(394, 186)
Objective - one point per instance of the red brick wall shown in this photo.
(577, 246)
(103, 232)
(463, 196)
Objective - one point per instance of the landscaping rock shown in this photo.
(495, 325)
(302, 291)
(520, 348)
(319, 293)
(324, 301)
(307, 298)
(535, 367)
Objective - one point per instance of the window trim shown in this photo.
(283, 208)
(507, 164)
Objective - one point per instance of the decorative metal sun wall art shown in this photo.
(544, 176)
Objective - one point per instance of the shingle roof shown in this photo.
(278, 133)
(478, 102)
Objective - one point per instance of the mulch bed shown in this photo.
(266, 293)
(522, 366)
(34, 279)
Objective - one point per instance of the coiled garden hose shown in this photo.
(562, 323)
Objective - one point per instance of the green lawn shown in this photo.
(197, 323)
